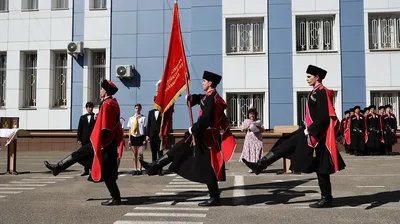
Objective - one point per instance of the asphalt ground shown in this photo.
(367, 191)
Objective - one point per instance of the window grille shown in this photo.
(240, 103)
(245, 35)
(60, 79)
(30, 79)
(98, 74)
(315, 34)
(59, 4)
(98, 4)
(3, 76)
(30, 5)
(384, 32)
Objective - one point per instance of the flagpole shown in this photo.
(187, 89)
(189, 104)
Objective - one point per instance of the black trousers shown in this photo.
(155, 143)
(324, 182)
(113, 188)
(84, 155)
(388, 149)
(213, 189)
(87, 166)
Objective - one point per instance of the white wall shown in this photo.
(315, 5)
(381, 4)
(382, 67)
(330, 61)
(246, 73)
(96, 36)
(41, 31)
(244, 7)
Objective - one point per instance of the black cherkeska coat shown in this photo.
(295, 145)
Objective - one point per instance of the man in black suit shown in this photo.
(85, 128)
(153, 134)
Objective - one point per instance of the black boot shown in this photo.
(90, 178)
(155, 167)
(324, 182)
(62, 165)
(112, 201)
(325, 202)
(85, 172)
(263, 163)
(213, 201)
(112, 187)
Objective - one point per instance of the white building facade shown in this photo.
(261, 47)
(357, 42)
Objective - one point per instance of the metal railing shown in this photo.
(3, 5)
(301, 105)
(30, 80)
(29, 5)
(240, 103)
(60, 79)
(3, 76)
(59, 4)
(245, 36)
(98, 74)
(385, 98)
(384, 32)
(315, 34)
(98, 4)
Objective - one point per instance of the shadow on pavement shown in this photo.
(374, 200)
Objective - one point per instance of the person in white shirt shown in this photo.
(137, 127)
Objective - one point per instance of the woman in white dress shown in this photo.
(253, 148)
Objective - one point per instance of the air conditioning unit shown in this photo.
(124, 71)
(75, 47)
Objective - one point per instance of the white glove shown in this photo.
(306, 132)
(190, 130)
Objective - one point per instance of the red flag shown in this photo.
(173, 81)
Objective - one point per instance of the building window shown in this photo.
(98, 4)
(97, 75)
(30, 78)
(244, 35)
(28, 5)
(59, 4)
(381, 98)
(301, 105)
(384, 31)
(315, 33)
(240, 103)
(3, 5)
(60, 79)
(3, 73)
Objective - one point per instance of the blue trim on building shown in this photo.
(78, 17)
(140, 33)
(124, 50)
(280, 62)
(352, 53)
